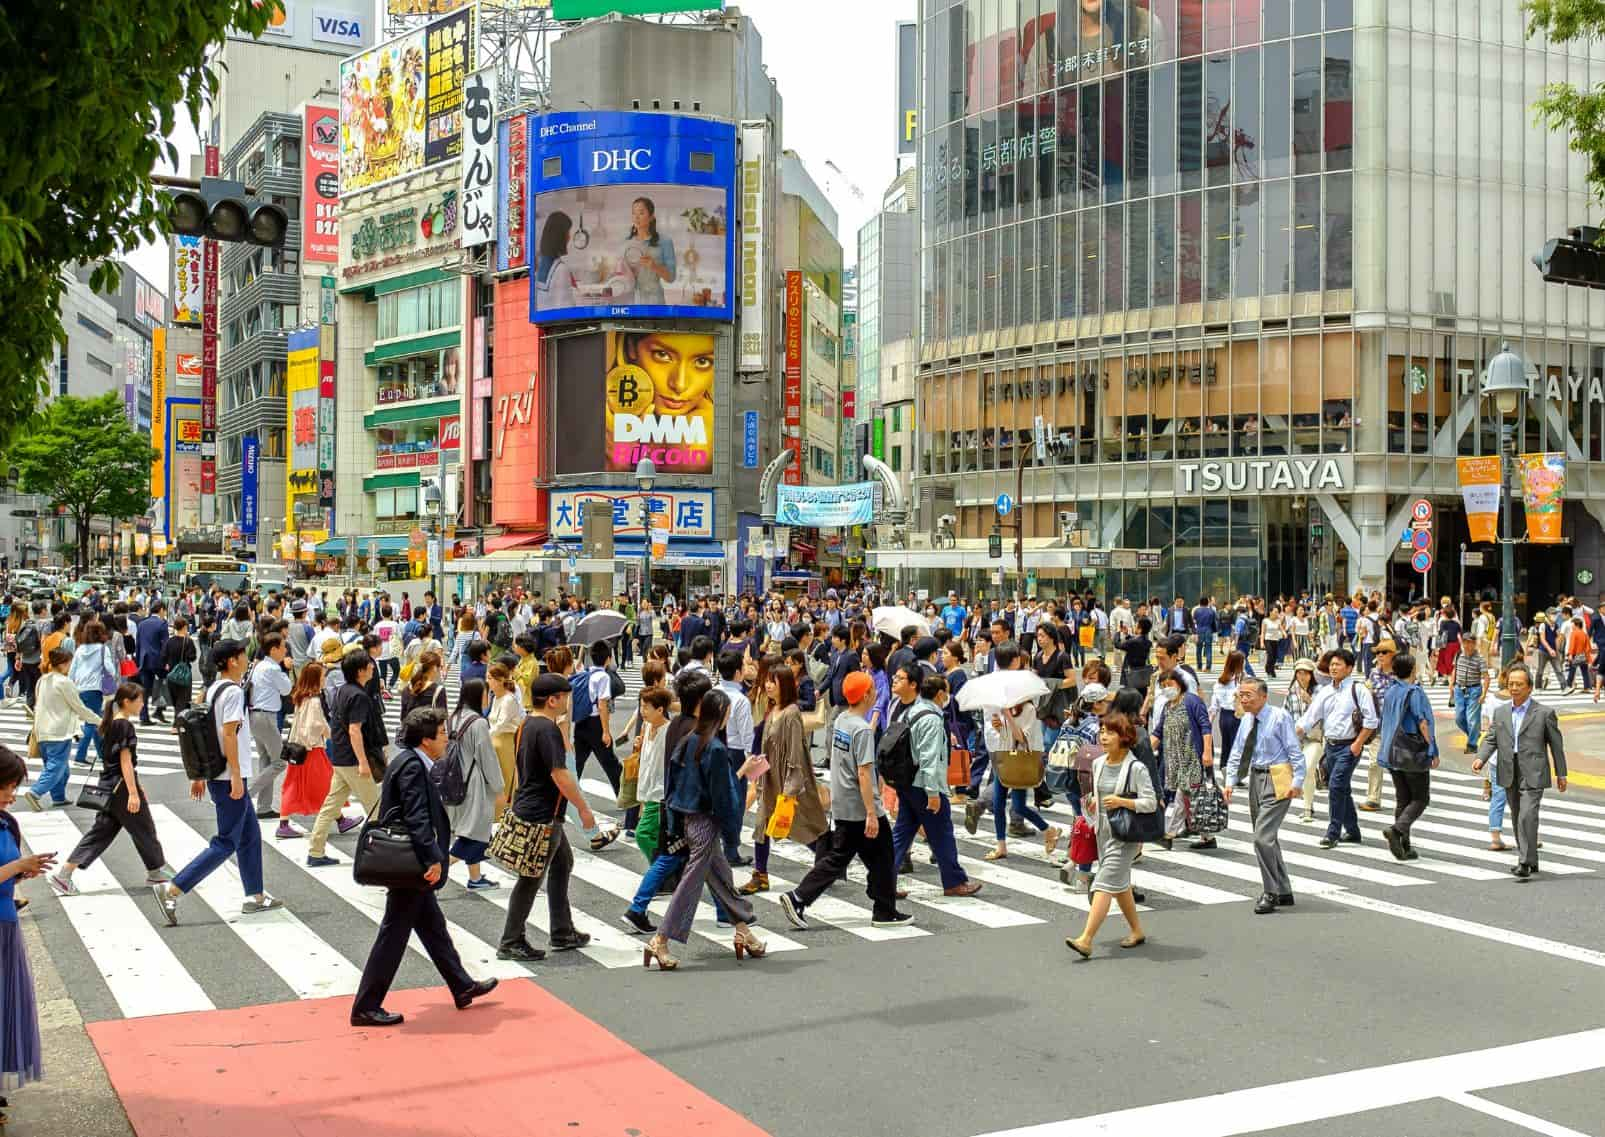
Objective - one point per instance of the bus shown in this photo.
(228, 573)
(268, 579)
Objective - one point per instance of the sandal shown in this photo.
(660, 953)
(1075, 946)
(1499, 848)
(1133, 941)
(749, 944)
(995, 855)
(1050, 839)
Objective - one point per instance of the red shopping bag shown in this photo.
(1083, 842)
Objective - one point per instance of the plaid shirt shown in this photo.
(1469, 670)
(1380, 681)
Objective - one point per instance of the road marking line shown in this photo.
(308, 965)
(1323, 863)
(142, 972)
(1471, 928)
(1291, 836)
(1593, 856)
(1514, 1116)
(609, 946)
(1320, 1098)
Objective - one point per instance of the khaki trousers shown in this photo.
(345, 782)
(1374, 777)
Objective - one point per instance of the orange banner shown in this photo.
(1543, 488)
(1480, 486)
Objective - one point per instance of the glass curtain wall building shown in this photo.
(1248, 260)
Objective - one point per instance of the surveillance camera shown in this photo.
(947, 520)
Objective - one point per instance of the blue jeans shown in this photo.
(913, 813)
(53, 779)
(1340, 763)
(1204, 651)
(238, 836)
(1468, 713)
(1019, 804)
(1496, 805)
(94, 700)
(660, 870)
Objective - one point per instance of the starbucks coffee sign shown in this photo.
(1315, 474)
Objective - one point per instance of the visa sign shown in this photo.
(335, 26)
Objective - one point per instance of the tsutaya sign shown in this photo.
(1265, 475)
(1555, 387)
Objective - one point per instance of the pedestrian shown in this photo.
(94, 674)
(150, 637)
(353, 761)
(739, 737)
(58, 714)
(270, 685)
(1223, 702)
(179, 656)
(129, 808)
(1380, 680)
(1470, 690)
(410, 796)
(1347, 716)
(1184, 746)
(789, 774)
(859, 825)
(1117, 784)
(1267, 741)
(424, 688)
(469, 732)
(1524, 744)
(545, 784)
(1547, 650)
(592, 706)
(1408, 750)
(1300, 694)
(507, 711)
(1011, 728)
(700, 790)
(21, 1056)
(238, 834)
(306, 784)
(655, 703)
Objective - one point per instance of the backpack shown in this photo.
(449, 775)
(198, 744)
(581, 707)
(615, 682)
(501, 633)
(28, 639)
(894, 754)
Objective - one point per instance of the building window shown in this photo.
(897, 459)
(430, 375)
(94, 328)
(61, 369)
(399, 502)
(416, 311)
(98, 364)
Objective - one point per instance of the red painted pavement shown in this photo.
(520, 1062)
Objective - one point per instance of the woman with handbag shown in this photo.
(58, 711)
(1408, 750)
(1300, 694)
(482, 781)
(1052, 664)
(700, 789)
(1135, 672)
(1014, 728)
(306, 783)
(790, 776)
(94, 674)
(179, 657)
(1185, 755)
(1122, 789)
(124, 806)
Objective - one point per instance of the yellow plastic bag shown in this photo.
(779, 827)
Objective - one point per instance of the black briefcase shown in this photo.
(385, 857)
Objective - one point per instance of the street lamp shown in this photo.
(645, 475)
(1506, 385)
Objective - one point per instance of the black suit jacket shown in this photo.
(843, 663)
(409, 790)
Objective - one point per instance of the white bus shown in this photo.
(228, 573)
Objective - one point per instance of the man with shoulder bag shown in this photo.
(411, 802)
(1348, 718)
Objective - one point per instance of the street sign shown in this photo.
(573, 562)
(1098, 558)
(1148, 559)
(1005, 505)
(1039, 435)
(373, 563)
(1421, 510)
(1474, 560)
(1422, 539)
(994, 546)
(1422, 561)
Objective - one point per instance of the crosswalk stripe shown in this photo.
(308, 965)
(143, 974)
(1291, 835)
(1470, 797)
(1328, 864)
(609, 946)
(1428, 824)
(478, 956)
(1235, 871)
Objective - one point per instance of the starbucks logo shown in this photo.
(1418, 379)
(1585, 576)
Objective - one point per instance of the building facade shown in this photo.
(1221, 253)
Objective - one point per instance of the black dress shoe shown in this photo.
(738, 861)
(639, 921)
(1524, 872)
(1203, 843)
(907, 865)
(1326, 843)
(1355, 840)
(522, 952)
(1285, 900)
(268, 815)
(477, 991)
(1395, 841)
(1265, 905)
(381, 1017)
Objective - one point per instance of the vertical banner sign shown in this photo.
(907, 87)
(1543, 492)
(660, 533)
(753, 354)
(320, 185)
(749, 440)
(479, 159)
(186, 281)
(209, 257)
(326, 414)
(250, 452)
(849, 404)
(512, 193)
(792, 431)
(1479, 487)
(158, 413)
(877, 438)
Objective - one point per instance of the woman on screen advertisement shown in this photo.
(660, 401)
(648, 256)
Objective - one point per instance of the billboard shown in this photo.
(320, 185)
(441, 7)
(517, 434)
(660, 388)
(689, 512)
(187, 281)
(479, 159)
(907, 87)
(631, 216)
(401, 103)
(830, 506)
(335, 26)
(158, 412)
(791, 401)
(301, 389)
(512, 193)
(250, 455)
(753, 354)
(182, 419)
(187, 367)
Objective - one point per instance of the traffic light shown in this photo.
(994, 545)
(221, 210)
(1575, 259)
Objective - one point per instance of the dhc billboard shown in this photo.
(630, 216)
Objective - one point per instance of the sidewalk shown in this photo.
(76, 1097)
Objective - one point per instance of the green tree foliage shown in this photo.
(87, 97)
(1580, 111)
(83, 456)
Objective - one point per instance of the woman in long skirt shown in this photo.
(20, 1049)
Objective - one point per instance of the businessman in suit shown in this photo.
(409, 791)
(150, 637)
(1524, 740)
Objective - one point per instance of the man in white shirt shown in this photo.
(738, 733)
(270, 686)
(324, 634)
(238, 834)
(593, 731)
(389, 633)
(1347, 715)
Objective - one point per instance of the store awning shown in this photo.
(512, 562)
(513, 541)
(387, 545)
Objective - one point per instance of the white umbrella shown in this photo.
(891, 621)
(1000, 690)
(602, 624)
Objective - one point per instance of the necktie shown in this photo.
(1248, 745)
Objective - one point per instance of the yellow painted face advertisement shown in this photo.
(660, 401)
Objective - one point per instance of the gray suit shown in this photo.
(1523, 766)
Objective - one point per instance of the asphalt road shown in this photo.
(1344, 1015)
